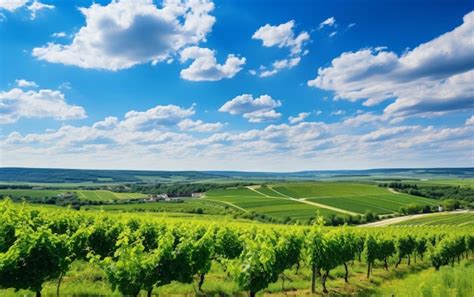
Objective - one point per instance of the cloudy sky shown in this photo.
(236, 85)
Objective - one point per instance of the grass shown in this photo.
(86, 279)
(448, 282)
(187, 206)
(276, 206)
(355, 197)
(275, 200)
(94, 195)
(460, 219)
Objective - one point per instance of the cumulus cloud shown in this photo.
(282, 36)
(329, 22)
(23, 83)
(256, 110)
(199, 126)
(262, 116)
(126, 33)
(433, 78)
(470, 121)
(161, 115)
(37, 6)
(304, 145)
(17, 103)
(205, 67)
(280, 65)
(299, 118)
(33, 7)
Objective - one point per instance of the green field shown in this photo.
(93, 195)
(288, 199)
(275, 206)
(187, 206)
(458, 219)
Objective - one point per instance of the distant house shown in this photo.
(197, 195)
(154, 198)
(440, 208)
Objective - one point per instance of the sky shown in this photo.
(247, 85)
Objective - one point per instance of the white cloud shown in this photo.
(332, 34)
(262, 116)
(199, 126)
(282, 36)
(338, 112)
(470, 121)
(12, 5)
(22, 83)
(204, 66)
(17, 103)
(329, 22)
(37, 6)
(280, 65)
(107, 124)
(160, 115)
(256, 110)
(126, 33)
(387, 133)
(59, 35)
(301, 117)
(302, 146)
(433, 78)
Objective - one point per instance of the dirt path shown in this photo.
(253, 188)
(279, 193)
(393, 221)
(393, 191)
(303, 200)
(228, 203)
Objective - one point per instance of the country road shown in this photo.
(396, 220)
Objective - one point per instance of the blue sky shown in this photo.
(236, 85)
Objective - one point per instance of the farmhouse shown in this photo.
(197, 195)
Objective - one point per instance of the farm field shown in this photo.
(459, 219)
(187, 206)
(302, 200)
(194, 243)
(273, 206)
(93, 195)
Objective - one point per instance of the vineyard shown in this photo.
(42, 248)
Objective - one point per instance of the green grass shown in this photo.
(448, 282)
(348, 196)
(276, 207)
(355, 197)
(32, 193)
(187, 206)
(86, 279)
(459, 219)
(94, 195)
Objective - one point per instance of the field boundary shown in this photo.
(228, 203)
(303, 200)
(396, 220)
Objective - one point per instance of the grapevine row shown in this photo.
(137, 254)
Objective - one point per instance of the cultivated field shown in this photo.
(458, 219)
(93, 195)
(187, 206)
(302, 200)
